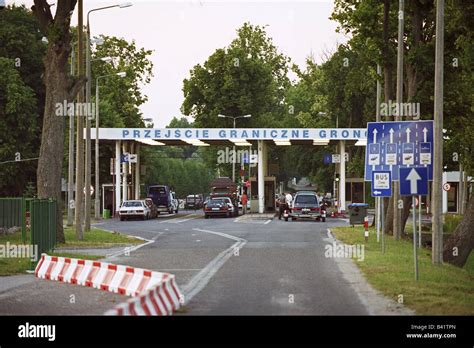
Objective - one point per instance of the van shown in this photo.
(161, 196)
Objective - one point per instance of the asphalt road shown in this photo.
(223, 266)
(230, 266)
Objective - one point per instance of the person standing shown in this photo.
(244, 201)
(281, 205)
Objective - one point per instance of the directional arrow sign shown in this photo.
(414, 181)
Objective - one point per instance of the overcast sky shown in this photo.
(184, 33)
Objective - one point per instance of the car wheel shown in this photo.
(122, 218)
(293, 219)
(286, 219)
(323, 219)
(206, 216)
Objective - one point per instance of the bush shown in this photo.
(451, 221)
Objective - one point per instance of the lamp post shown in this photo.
(233, 148)
(87, 220)
(96, 191)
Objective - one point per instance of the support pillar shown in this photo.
(137, 172)
(342, 177)
(261, 179)
(117, 176)
(124, 174)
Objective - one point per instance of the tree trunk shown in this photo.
(59, 89)
(52, 139)
(460, 244)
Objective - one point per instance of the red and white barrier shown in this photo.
(155, 293)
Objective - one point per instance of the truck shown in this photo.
(163, 198)
(225, 187)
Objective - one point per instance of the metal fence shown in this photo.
(37, 215)
(43, 214)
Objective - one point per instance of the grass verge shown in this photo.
(96, 238)
(440, 290)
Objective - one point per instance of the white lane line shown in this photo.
(267, 222)
(178, 221)
(200, 280)
(136, 247)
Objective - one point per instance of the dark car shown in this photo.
(161, 196)
(306, 205)
(219, 207)
(194, 202)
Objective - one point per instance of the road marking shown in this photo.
(176, 221)
(267, 222)
(200, 280)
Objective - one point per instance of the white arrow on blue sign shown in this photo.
(381, 183)
(413, 181)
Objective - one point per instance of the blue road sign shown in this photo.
(381, 183)
(327, 159)
(395, 145)
(414, 181)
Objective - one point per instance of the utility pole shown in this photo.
(377, 119)
(396, 186)
(70, 175)
(87, 183)
(80, 134)
(437, 210)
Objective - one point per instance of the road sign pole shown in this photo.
(419, 221)
(382, 218)
(415, 251)
(437, 209)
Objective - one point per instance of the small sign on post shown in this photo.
(414, 182)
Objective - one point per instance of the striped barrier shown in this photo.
(154, 293)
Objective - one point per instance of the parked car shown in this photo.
(306, 205)
(221, 206)
(174, 202)
(194, 202)
(134, 208)
(161, 196)
(153, 209)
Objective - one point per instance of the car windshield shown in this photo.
(218, 201)
(132, 204)
(157, 190)
(306, 199)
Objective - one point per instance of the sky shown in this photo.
(183, 33)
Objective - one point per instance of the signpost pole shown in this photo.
(382, 218)
(415, 253)
(419, 221)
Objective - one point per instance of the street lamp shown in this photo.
(233, 148)
(87, 207)
(97, 195)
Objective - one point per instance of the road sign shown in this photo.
(336, 158)
(394, 145)
(381, 183)
(414, 181)
(446, 187)
(132, 158)
(327, 159)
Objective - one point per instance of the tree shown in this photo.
(17, 106)
(22, 97)
(247, 77)
(60, 88)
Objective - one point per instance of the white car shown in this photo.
(134, 208)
